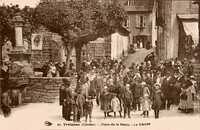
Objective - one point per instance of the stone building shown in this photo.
(141, 21)
(114, 46)
(45, 47)
(188, 34)
(168, 23)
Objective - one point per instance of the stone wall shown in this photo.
(44, 89)
(51, 50)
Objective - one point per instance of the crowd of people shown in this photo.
(141, 87)
(57, 69)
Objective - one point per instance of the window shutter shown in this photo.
(137, 21)
(144, 21)
(128, 21)
(128, 2)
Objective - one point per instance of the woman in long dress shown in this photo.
(106, 102)
(186, 102)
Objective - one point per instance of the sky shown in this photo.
(21, 3)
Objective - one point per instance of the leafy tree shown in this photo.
(7, 30)
(79, 22)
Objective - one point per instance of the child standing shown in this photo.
(157, 99)
(88, 108)
(115, 104)
(146, 105)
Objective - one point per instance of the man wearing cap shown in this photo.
(98, 85)
(78, 104)
(162, 69)
(127, 99)
(67, 96)
(167, 88)
(61, 98)
(6, 103)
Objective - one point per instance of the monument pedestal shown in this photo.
(20, 69)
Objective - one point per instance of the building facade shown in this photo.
(45, 47)
(114, 46)
(141, 22)
(168, 26)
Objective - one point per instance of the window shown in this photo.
(141, 21)
(127, 22)
(130, 2)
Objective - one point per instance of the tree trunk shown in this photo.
(78, 58)
(68, 57)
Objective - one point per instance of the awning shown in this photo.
(191, 28)
(188, 16)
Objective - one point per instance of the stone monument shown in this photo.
(20, 69)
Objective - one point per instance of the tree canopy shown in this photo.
(7, 32)
(75, 19)
(79, 22)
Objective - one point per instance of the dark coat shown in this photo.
(61, 94)
(5, 100)
(167, 87)
(45, 70)
(190, 70)
(98, 84)
(106, 101)
(127, 97)
(149, 82)
(157, 99)
(67, 95)
(163, 70)
(136, 90)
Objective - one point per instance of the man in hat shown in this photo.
(67, 97)
(78, 104)
(167, 89)
(61, 98)
(193, 87)
(149, 82)
(98, 86)
(106, 102)
(190, 69)
(127, 99)
(5, 74)
(6, 103)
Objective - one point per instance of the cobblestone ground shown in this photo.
(33, 117)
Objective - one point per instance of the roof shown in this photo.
(138, 5)
(187, 16)
(123, 31)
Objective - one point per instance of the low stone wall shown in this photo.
(44, 89)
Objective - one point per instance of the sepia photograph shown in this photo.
(100, 64)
